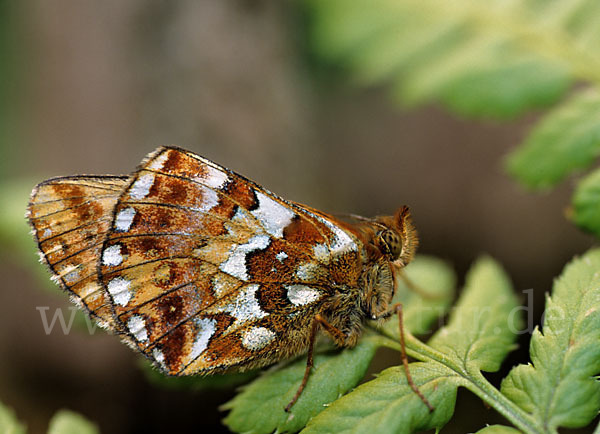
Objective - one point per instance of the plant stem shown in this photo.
(478, 384)
(471, 379)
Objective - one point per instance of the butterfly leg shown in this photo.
(397, 309)
(409, 380)
(319, 321)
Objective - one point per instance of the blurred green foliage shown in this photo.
(68, 422)
(9, 423)
(495, 59)
(63, 422)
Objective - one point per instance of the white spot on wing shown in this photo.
(240, 222)
(256, 338)
(159, 357)
(112, 255)
(281, 256)
(118, 288)
(273, 216)
(124, 219)
(141, 186)
(220, 285)
(72, 277)
(235, 265)
(137, 326)
(159, 161)
(342, 242)
(210, 199)
(213, 177)
(240, 216)
(299, 295)
(205, 329)
(308, 271)
(321, 252)
(245, 307)
(47, 233)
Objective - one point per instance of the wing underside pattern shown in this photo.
(199, 268)
(215, 267)
(70, 217)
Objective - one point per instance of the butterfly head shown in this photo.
(395, 241)
(397, 238)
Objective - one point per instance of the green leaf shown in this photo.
(560, 388)
(276, 388)
(494, 59)
(69, 422)
(259, 408)
(387, 404)
(512, 86)
(9, 424)
(586, 203)
(479, 328)
(482, 328)
(566, 140)
(498, 429)
(435, 281)
(479, 334)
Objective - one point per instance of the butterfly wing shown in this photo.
(207, 270)
(70, 217)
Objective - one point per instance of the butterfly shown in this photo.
(203, 271)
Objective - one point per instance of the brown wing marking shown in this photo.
(253, 321)
(188, 238)
(280, 331)
(70, 217)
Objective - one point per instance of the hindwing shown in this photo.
(70, 217)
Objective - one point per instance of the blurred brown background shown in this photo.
(92, 86)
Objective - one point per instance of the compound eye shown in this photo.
(389, 243)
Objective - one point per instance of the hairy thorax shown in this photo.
(390, 243)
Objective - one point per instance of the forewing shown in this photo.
(207, 270)
(70, 218)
